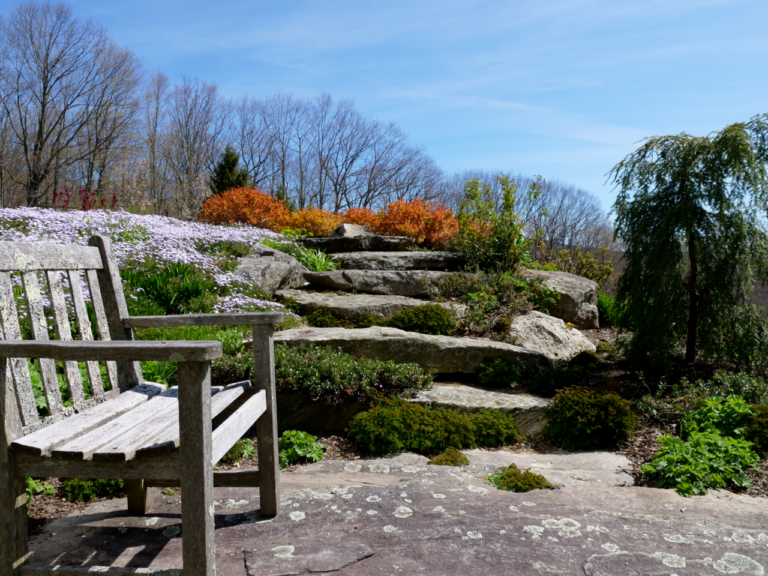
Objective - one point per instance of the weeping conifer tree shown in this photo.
(691, 214)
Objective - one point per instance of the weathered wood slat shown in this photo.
(86, 331)
(171, 350)
(13, 499)
(102, 325)
(266, 426)
(197, 481)
(46, 467)
(115, 308)
(39, 326)
(59, 570)
(86, 445)
(124, 447)
(240, 319)
(168, 439)
(64, 332)
(9, 330)
(233, 428)
(221, 479)
(43, 441)
(27, 257)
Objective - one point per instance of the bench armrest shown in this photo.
(240, 319)
(119, 350)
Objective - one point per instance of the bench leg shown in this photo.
(266, 425)
(197, 519)
(13, 522)
(139, 497)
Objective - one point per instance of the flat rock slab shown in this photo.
(549, 335)
(578, 297)
(415, 260)
(412, 283)
(528, 410)
(271, 269)
(349, 305)
(359, 243)
(399, 516)
(444, 354)
(560, 468)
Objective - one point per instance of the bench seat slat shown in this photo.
(43, 441)
(233, 428)
(124, 447)
(83, 447)
(168, 439)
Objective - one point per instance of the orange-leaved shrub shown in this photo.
(315, 221)
(245, 206)
(360, 216)
(429, 223)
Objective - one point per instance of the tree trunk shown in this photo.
(693, 309)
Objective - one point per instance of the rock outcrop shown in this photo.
(548, 335)
(351, 231)
(271, 269)
(578, 297)
(414, 260)
(360, 243)
(444, 354)
(528, 410)
(411, 283)
(349, 305)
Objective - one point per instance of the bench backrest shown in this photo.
(50, 279)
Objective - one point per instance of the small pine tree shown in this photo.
(227, 174)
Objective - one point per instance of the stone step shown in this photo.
(369, 243)
(444, 354)
(349, 305)
(414, 260)
(528, 410)
(410, 283)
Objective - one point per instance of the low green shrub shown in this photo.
(323, 373)
(450, 457)
(242, 450)
(583, 419)
(37, 487)
(726, 416)
(85, 489)
(296, 446)
(323, 317)
(512, 478)
(499, 373)
(424, 319)
(587, 360)
(757, 429)
(706, 460)
(396, 426)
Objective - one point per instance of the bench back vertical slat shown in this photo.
(101, 323)
(64, 332)
(115, 309)
(86, 330)
(19, 368)
(39, 326)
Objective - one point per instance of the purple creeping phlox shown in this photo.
(138, 239)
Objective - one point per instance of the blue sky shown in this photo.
(564, 89)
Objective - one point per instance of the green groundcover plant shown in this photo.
(516, 480)
(296, 446)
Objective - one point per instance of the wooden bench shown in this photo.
(130, 429)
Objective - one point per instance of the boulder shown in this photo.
(528, 410)
(271, 269)
(351, 231)
(411, 283)
(444, 354)
(414, 260)
(360, 243)
(578, 297)
(349, 305)
(548, 335)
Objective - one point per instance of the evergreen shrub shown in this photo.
(396, 426)
(424, 319)
(451, 457)
(583, 419)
